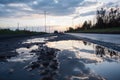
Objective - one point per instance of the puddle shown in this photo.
(61, 60)
(35, 40)
(33, 62)
(24, 54)
(84, 60)
(38, 40)
(14, 67)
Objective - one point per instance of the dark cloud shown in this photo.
(62, 7)
(53, 7)
(88, 13)
(18, 8)
(112, 4)
(88, 3)
(92, 12)
(85, 4)
(14, 1)
(12, 11)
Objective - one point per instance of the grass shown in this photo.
(115, 30)
(11, 32)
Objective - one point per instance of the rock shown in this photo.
(11, 70)
(28, 46)
(47, 78)
(44, 72)
(32, 74)
(45, 63)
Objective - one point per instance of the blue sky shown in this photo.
(60, 13)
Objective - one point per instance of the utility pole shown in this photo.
(37, 29)
(72, 22)
(32, 28)
(18, 26)
(49, 29)
(26, 28)
(96, 1)
(45, 20)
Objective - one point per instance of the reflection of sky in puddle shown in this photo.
(83, 60)
(109, 70)
(35, 40)
(24, 54)
(80, 50)
(78, 60)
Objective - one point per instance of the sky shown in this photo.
(60, 14)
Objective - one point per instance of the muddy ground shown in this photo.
(7, 46)
(54, 57)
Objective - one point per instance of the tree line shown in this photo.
(105, 18)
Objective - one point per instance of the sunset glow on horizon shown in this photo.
(60, 14)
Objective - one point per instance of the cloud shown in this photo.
(88, 3)
(14, 1)
(58, 8)
(88, 13)
(112, 4)
(21, 8)
(13, 8)
(88, 8)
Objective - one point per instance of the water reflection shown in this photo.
(38, 40)
(72, 68)
(100, 51)
(63, 60)
(46, 63)
(107, 54)
(24, 54)
(75, 56)
(86, 43)
(34, 61)
(35, 40)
